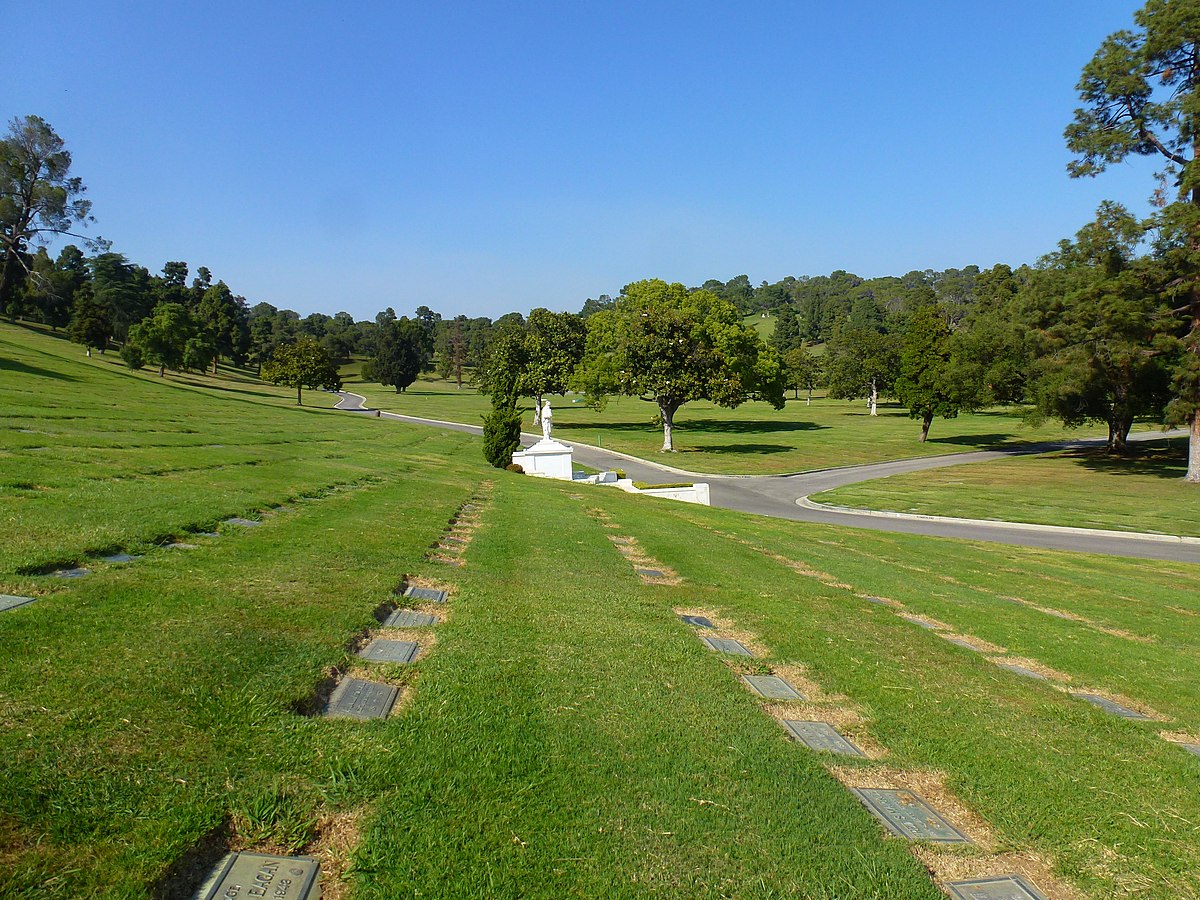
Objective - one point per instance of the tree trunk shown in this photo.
(162, 371)
(299, 399)
(1193, 469)
(926, 421)
(214, 365)
(667, 412)
(873, 398)
(1118, 434)
(808, 402)
(537, 410)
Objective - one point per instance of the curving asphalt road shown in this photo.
(785, 497)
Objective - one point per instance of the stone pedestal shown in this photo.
(547, 458)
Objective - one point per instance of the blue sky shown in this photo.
(486, 157)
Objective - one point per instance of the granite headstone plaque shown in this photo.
(76, 572)
(10, 601)
(907, 815)
(247, 875)
(243, 523)
(451, 539)
(772, 687)
(1109, 705)
(120, 558)
(962, 642)
(182, 545)
(409, 618)
(820, 736)
(879, 601)
(1007, 887)
(1023, 671)
(920, 622)
(1190, 748)
(355, 698)
(385, 650)
(649, 573)
(726, 645)
(698, 621)
(430, 594)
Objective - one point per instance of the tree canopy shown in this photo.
(670, 346)
(302, 364)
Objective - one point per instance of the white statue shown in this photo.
(547, 420)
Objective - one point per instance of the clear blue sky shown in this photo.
(485, 157)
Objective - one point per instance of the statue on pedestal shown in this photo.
(547, 420)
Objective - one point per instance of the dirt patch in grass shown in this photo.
(947, 867)
(924, 622)
(335, 838)
(1032, 664)
(1183, 612)
(434, 584)
(1180, 737)
(975, 643)
(931, 787)
(1127, 635)
(446, 560)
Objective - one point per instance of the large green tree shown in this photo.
(1141, 98)
(803, 371)
(161, 339)
(226, 322)
(91, 323)
(39, 197)
(400, 352)
(1094, 314)
(860, 362)
(670, 346)
(925, 382)
(302, 364)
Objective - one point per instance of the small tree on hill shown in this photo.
(303, 364)
(400, 354)
(91, 324)
(803, 371)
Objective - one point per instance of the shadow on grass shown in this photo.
(12, 365)
(697, 426)
(718, 449)
(1167, 459)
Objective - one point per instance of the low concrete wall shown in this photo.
(696, 493)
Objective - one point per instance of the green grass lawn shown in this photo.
(565, 735)
(1085, 489)
(752, 439)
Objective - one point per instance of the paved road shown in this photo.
(782, 496)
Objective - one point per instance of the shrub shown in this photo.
(515, 467)
(501, 434)
(132, 354)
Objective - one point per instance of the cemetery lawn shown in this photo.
(565, 734)
(1082, 488)
(752, 439)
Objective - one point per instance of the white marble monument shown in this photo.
(547, 457)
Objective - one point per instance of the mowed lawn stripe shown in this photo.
(585, 744)
(150, 703)
(1109, 801)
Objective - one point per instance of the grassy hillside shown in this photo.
(562, 732)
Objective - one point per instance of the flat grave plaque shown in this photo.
(182, 545)
(698, 621)
(1109, 705)
(920, 622)
(259, 875)
(1007, 887)
(962, 642)
(726, 645)
(1190, 748)
(430, 594)
(384, 650)
(1058, 614)
(1023, 671)
(77, 572)
(451, 539)
(355, 698)
(772, 687)
(11, 601)
(243, 523)
(119, 558)
(208, 534)
(649, 573)
(907, 815)
(409, 618)
(876, 600)
(820, 736)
